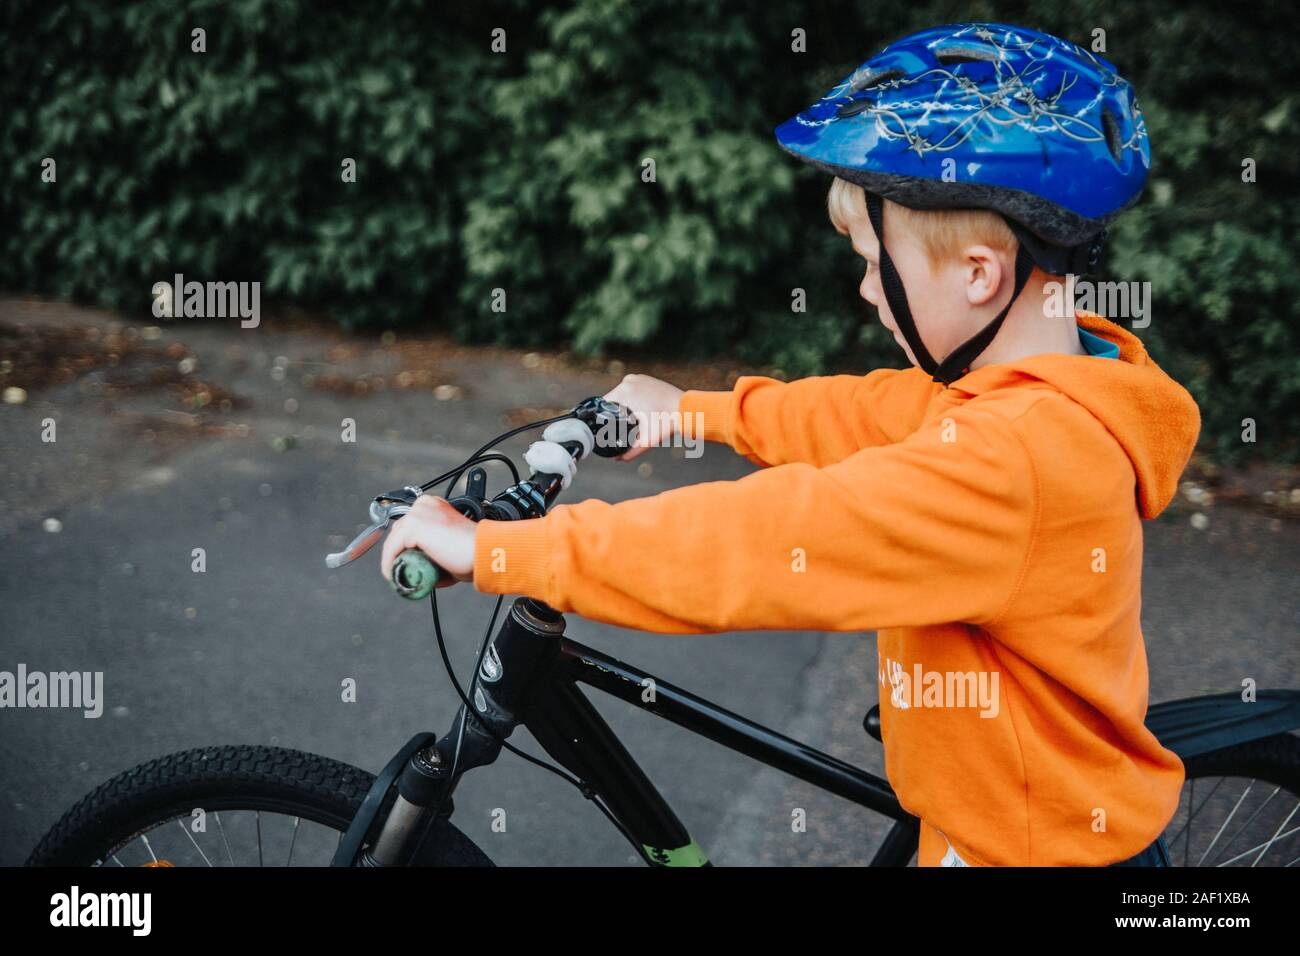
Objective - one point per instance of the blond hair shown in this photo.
(941, 233)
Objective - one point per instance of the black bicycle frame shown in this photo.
(567, 714)
(530, 677)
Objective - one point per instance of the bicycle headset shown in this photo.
(1038, 129)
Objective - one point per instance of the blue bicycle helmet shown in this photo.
(1037, 129)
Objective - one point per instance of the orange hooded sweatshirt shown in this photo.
(989, 531)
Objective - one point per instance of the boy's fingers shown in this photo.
(617, 394)
(394, 545)
(643, 435)
(430, 503)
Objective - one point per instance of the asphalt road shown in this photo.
(99, 529)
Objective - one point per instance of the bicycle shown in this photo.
(528, 674)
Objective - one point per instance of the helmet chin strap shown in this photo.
(958, 362)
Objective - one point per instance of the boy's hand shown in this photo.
(654, 403)
(441, 532)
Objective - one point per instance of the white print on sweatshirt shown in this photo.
(922, 688)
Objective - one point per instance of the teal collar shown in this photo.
(1096, 345)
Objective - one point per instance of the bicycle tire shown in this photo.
(1274, 759)
(241, 777)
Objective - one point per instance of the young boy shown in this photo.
(982, 511)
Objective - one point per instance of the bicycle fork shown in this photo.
(529, 640)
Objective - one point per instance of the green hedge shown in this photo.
(522, 171)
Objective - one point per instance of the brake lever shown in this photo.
(384, 510)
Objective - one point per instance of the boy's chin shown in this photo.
(902, 344)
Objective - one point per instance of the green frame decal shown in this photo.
(689, 855)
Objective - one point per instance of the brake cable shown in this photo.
(581, 785)
(472, 460)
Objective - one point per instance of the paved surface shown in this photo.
(253, 650)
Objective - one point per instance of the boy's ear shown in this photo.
(983, 272)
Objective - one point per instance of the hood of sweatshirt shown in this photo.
(1154, 419)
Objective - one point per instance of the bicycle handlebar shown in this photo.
(414, 575)
(554, 462)
(593, 425)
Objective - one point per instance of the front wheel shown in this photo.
(228, 806)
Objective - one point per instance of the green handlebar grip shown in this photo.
(414, 575)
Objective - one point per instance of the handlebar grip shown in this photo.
(414, 575)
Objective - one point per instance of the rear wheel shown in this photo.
(228, 806)
(1240, 806)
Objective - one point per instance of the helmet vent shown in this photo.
(953, 55)
(1110, 127)
(870, 81)
(854, 107)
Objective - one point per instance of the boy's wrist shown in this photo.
(513, 557)
(710, 411)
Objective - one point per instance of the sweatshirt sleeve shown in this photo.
(918, 532)
(818, 420)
